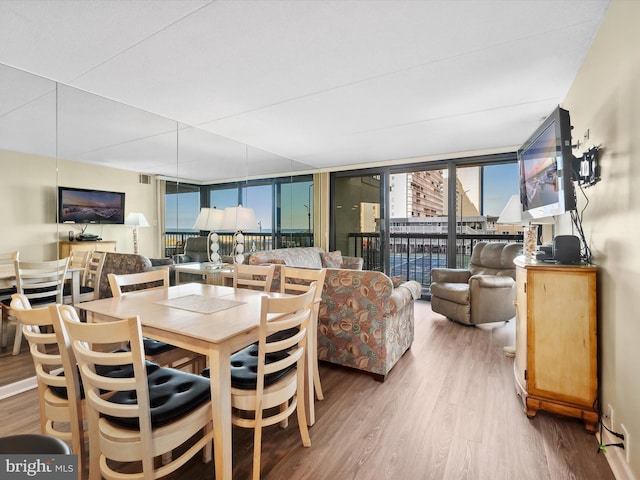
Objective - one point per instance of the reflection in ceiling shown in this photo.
(305, 84)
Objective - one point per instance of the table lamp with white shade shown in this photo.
(239, 219)
(210, 220)
(136, 220)
(513, 214)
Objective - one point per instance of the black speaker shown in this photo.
(566, 249)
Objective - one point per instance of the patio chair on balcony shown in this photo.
(485, 292)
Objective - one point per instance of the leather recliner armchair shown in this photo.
(482, 294)
(196, 249)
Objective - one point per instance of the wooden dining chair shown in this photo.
(89, 288)
(296, 280)
(59, 390)
(133, 421)
(160, 352)
(256, 277)
(42, 283)
(7, 288)
(268, 380)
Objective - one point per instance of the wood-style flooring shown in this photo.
(448, 410)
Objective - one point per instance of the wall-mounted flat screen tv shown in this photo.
(79, 205)
(546, 161)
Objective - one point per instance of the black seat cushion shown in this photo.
(36, 301)
(155, 347)
(5, 293)
(83, 289)
(172, 394)
(113, 371)
(282, 335)
(244, 368)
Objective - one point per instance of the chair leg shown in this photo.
(302, 414)
(257, 447)
(316, 376)
(284, 423)
(17, 342)
(3, 328)
(207, 451)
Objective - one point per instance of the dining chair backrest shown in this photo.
(296, 280)
(59, 391)
(278, 314)
(256, 277)
(151, 279)
(79, 259)
(41, 282)
(7, 270)
(93, 272)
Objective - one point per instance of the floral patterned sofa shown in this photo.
(365, 321)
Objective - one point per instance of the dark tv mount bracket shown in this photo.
(587, 168)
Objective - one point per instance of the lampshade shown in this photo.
(239, 218)
(512, 213)
(209, 219)
(136, 220)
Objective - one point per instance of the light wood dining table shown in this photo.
(216, 335)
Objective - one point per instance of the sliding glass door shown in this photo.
(409, 219)
(358, 224)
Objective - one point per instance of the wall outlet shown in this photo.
(609, 415)
(627, 443)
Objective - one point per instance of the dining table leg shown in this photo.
(220, 376)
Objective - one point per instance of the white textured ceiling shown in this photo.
(316, 84)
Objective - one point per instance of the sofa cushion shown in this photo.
(295, 257)
(454, 292)
(331, 259)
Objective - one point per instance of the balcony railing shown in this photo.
(253, 242)
(414, 255)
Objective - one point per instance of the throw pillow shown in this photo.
(396, 280)
(331, 259)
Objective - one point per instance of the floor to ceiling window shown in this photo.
(283, 207)
(182, 205)
(407, 220)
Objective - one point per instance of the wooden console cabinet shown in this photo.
(556, 362)
(65, 248)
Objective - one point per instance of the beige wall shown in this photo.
(29, 195)
(605, 99)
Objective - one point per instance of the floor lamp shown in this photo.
(136, 220)
(239, 219)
